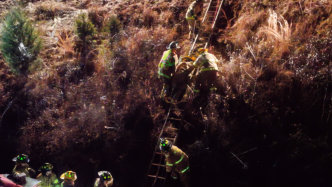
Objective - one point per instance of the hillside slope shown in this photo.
(276, 69)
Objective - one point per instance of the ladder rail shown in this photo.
(207, 11)
(194, 43)
(156, 147)
(214, 23)
(216, 15)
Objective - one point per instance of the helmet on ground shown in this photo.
(69, 175)
(201, 50)
(173, 45)
(21, 158)
(46, 167)
(165, 145)
(104, 175)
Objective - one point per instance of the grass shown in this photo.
(275, 66)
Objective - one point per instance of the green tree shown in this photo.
(85, 28)
(114, 25)
(19, 42)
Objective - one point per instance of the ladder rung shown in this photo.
(153, 176)
(160, 165)
(173, 128)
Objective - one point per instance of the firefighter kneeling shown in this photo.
(177, 162)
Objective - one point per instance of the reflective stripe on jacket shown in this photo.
(206, 62)
(178, 159)
(166, 65)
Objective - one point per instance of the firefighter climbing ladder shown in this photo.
(157, 169)
(210, 18)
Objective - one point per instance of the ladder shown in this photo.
(156, 176)
(210, 18)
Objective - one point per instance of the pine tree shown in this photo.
(19, 42)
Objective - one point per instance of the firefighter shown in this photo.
(177, 162)
(166, 69)
(193, 12)
(105, 179)
(69, 178)
(47, 177)
(22, 166)
(207, 78)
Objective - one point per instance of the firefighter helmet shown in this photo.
(202, 50)
(105, 175)
(22, 158)
(165, 145)
(46, 167)
(173, 45)
(69, 175)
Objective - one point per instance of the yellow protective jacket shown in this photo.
(206, 62)
(177, 159)
(166, 67)
(48, 181)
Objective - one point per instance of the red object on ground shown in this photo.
(5, 182)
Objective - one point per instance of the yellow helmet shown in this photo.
(202, 50)
(69, 175)
(188, 58)
(164, 145)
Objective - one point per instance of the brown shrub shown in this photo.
(50, 10)
(244, 28)
(66, 43)
(149, 17)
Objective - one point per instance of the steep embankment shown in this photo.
(276, 68)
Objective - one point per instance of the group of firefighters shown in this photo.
(201, 67)
(176, 74)
(22, 176)
(177, 165)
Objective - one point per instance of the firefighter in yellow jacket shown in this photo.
(69, 178)
(177, 161)
(194, 10)
(166, 68)
(207, 78)
(47, 177)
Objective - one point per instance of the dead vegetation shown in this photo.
(276, 67)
